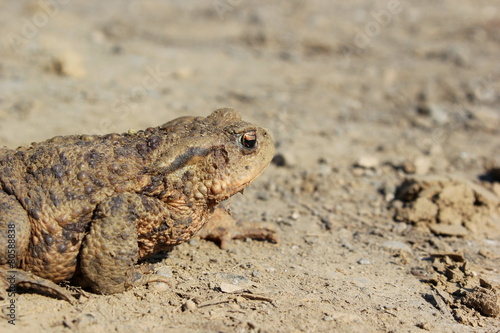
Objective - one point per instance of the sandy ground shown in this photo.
(359, 96)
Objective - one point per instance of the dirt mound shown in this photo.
(459, 292)
(448, 206)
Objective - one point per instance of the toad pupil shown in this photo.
(248, 140)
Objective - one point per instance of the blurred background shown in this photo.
(307, 70)
(358, 94)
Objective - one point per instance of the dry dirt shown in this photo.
(386, 120)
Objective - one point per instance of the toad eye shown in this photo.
(248, 140)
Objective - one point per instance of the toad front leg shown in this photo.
(111, 248)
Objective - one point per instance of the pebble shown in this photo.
(231, 278)
(422, 165)
(189, 305)
(409, 167)
(347, 245)
(396, 245)
(68, 63)
(264, 196)
(256, 273)
(284, 159)
(358, 172)
(364, 262)
(438, 114)
(448, 229)
(367, 162)
(399, 229)
(230, 283)
(165, 271)
(388, 189)
(425, 326)
(326, 222)
(279, 160)
(231, 288)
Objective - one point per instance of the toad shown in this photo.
(90, 207)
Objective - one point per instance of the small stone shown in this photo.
(256, 273)
(165, 271)
(231, 288)
(448, 229)
(422, 165)
(324, 169)
(367, 162)
(387, 188)
(400, 228)
(409, 167)
(279, 160)
(346, 244)
(189, 305)
(68, 63)
(364, 262)
(264, 196)
(396, 245)
(486, 254)
(230, 283)
(357, 171)
(326, 222)
(438, 114)
(425, 326)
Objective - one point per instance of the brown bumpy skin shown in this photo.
(88, 208)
